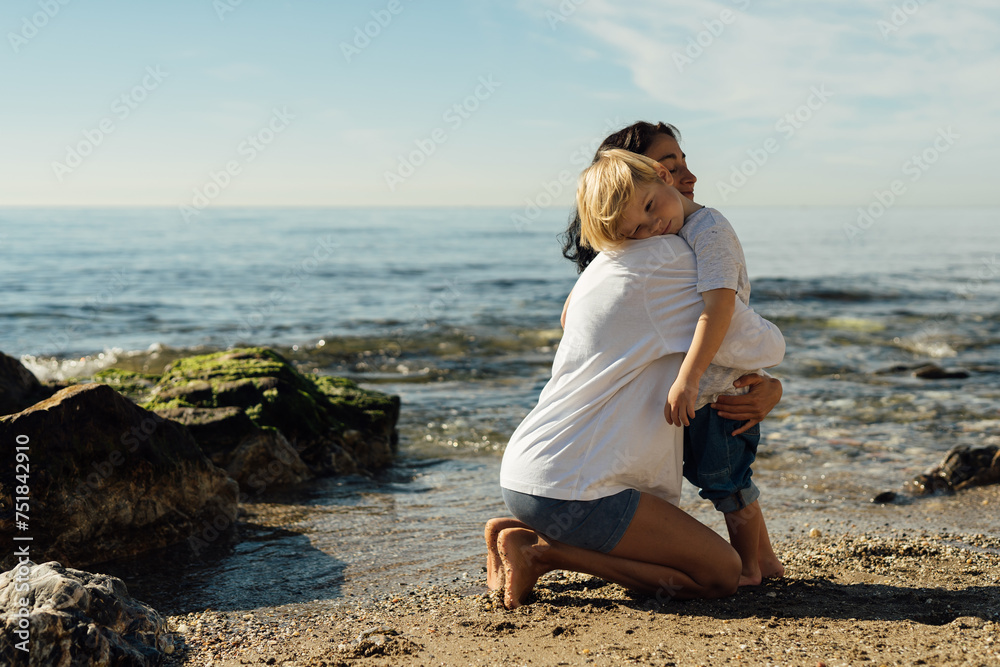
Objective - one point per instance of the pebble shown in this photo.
(815, 532)
(885, 497)
(935, 372)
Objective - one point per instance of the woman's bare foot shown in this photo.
(521, 551)
(494, 567)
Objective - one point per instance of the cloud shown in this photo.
(731, 63)
(896, 72)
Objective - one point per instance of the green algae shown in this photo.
(131, 384)
(304, 406)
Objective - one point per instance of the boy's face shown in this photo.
(655, 210)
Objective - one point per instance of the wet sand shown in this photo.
(855, 593)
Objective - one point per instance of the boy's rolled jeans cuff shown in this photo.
(739, 500)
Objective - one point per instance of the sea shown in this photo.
(456, 310)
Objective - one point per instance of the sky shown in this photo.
(196, 103)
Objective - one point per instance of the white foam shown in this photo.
(54, 369)
(936, 349)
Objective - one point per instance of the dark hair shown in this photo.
(637, 138)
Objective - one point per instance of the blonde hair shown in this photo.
(606, 187)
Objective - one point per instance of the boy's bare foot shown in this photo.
(520, 553)
(767, 560)
(494, 568)
(771, 568)
(750, 576)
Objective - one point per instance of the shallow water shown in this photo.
(457, 312)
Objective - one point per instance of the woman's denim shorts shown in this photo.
(597, 525)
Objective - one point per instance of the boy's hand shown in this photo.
(679, 409)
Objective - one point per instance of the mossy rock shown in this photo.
(336, 426)
(136, 386)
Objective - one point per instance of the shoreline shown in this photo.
(855, 594)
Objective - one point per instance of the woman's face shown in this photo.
(667, 152)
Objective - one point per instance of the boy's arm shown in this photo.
(708, 336)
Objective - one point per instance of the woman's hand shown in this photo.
(753, 406)
(679, 409)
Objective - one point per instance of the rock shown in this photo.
(884, 497)
(963, 467)
(19, 388)
(815, 532)
(253, 456)
(77, 619)
(969, 622)
(264, 458)
(897, 368)
(333, 425)
(214, 429)
(109, 479)
(935, 372)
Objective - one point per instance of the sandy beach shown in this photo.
(853, 594)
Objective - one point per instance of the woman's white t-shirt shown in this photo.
(598, 427)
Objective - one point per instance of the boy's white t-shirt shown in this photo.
(598, 427)
(721, 264)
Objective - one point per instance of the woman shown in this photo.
(661, 142)
(654, 547)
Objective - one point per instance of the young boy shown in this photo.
(718, 453)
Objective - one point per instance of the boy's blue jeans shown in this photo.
(719, 463)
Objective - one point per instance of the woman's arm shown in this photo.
(751, 342)
(754, 406)
(562, 318)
